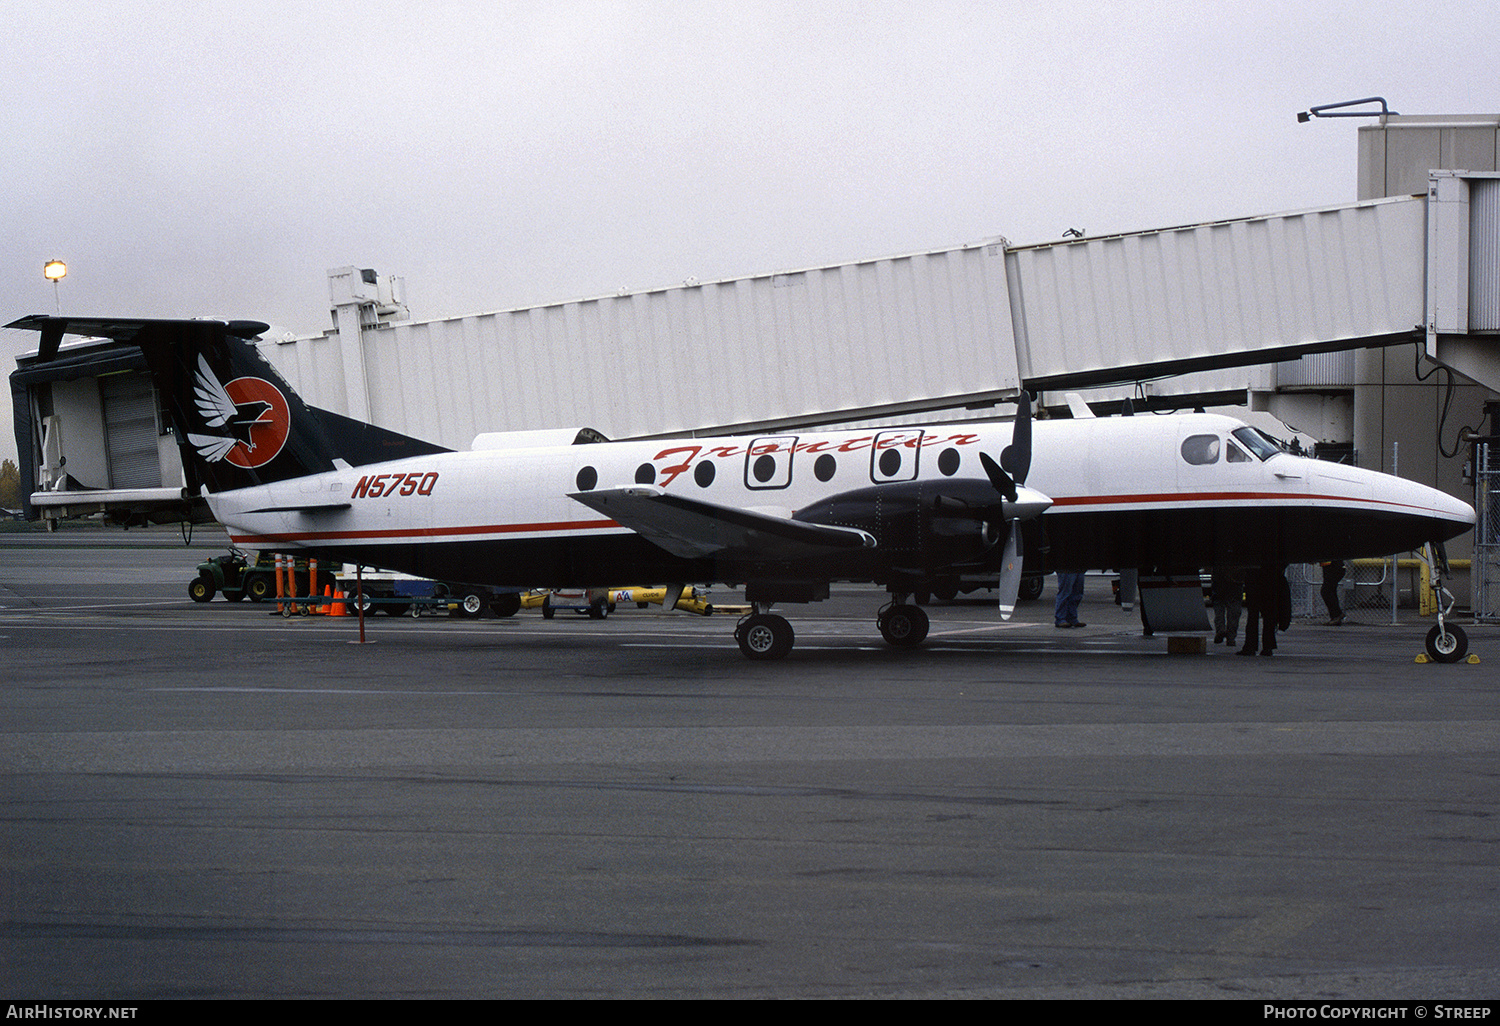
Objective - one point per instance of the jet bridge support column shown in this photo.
(350, 293)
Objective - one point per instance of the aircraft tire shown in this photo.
(1447, 644)
(904, 626)
(765, 636)
(200, 589)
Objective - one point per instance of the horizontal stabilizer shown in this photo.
(691, 528)
(309, 507)
(122, 329)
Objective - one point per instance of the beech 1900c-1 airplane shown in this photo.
(910, 508)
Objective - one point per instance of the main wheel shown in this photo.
(1447, 644)
(765, 636)
(200, 589)
(903, 625)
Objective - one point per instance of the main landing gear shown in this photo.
(765, 635)
(902, 624)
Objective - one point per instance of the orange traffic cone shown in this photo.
(338, 605)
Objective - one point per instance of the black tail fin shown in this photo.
(237, 421)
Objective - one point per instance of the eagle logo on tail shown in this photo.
(251, 414)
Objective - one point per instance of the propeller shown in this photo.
(1009, 479)
(1007, 476)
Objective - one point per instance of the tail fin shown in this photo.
(237, 421)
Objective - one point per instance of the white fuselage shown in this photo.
(1124, 492)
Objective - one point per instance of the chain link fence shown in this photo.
(1366, 587)
(1486, 567)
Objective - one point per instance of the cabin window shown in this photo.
(948, 461)
(824, 467)
(588, 477)
(894, 455)
(645, 474)
(1257, 443)
(703, 473)
(768, 461)
(1201, 450)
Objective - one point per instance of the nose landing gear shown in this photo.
(1446, 643)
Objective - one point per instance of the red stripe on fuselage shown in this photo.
(1170, 500)
(425, 532)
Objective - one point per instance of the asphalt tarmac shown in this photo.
(211, 801)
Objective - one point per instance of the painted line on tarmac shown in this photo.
(987, 629)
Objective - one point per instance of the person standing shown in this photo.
(1069, 595)
(1268, 605)
(1228, 592)
(1333, 573)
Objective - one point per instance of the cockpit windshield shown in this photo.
(1256, 442)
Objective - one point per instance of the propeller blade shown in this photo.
(1017, 455)
(998, 477)
(1010, 572)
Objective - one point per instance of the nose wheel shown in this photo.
(765, 636)
(1447, 643)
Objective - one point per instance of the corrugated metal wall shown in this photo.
(1259, 284)
(1484, 254)
(875, 335)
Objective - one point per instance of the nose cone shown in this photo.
(1029, 503)
(1454, 516)
(1425, 514)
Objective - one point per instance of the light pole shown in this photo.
(55, 271)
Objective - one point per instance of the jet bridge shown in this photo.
(964, 327)
(939, 330)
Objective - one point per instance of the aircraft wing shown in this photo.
(691, 528)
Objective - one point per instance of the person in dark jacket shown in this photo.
(1268, 605)
(1333, 573)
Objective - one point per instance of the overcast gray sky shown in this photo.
(211, 158)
